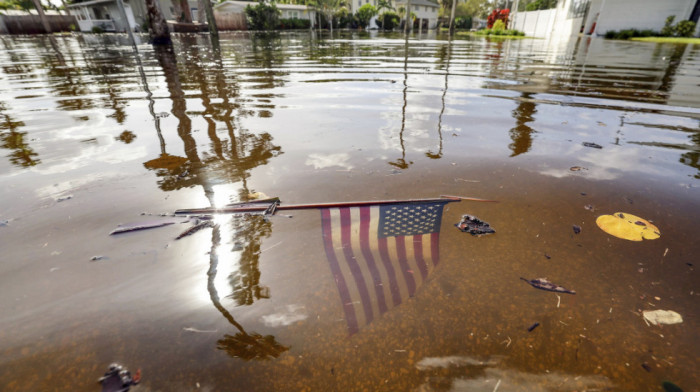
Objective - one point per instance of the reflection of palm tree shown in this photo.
(243, 345)
(438, 155)
(522, 132)
(12, 139)
(245, 281)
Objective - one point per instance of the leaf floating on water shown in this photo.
(544, 284)
(577, 229)
(628, 227)
(657, 317)
(474, 226)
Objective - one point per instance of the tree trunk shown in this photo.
(201, 15)
(211, 20)
(159, 33)
(186, 12)
(42, 16)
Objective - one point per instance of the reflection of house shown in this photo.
(233, 10)
(105, 14)
(561, 21)
(606, 15)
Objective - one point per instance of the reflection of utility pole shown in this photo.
(521, 134)
(42, 16)
(444, 92)
(243, 345)
(401, 162)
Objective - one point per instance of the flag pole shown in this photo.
(254, 207)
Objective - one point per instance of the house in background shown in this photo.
(425, 11)
(606, 15)
(230, 14)
(105, 14)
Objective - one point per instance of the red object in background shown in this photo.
(498, 15)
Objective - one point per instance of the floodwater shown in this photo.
(94, 135)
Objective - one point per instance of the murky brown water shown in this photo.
(254, 304)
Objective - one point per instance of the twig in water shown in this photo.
(266, 249)
(558, 300)
(497, 384)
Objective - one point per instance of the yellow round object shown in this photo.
(628, 227)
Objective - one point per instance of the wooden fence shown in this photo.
(31, 24)
(230, 21)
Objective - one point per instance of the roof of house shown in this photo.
(239, 3)
(88, 3)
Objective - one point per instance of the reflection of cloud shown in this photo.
(505, 380)
(322, 161)
(292, 314)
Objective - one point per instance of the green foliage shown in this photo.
(97, 30)
(498, 26)
(364, 14)
(294, 24)
(668, 30)
(463, 22)
(492, 32)
(263, 16)
(685, 28)
(389, 20)
(541, 5)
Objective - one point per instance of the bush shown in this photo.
(496, 15)
(294, 23)
(365, 13)
(685, 28)
(498, 26)
(262, 16)
(668, 30)
(463, 23)
(97, 30)
(389, 20)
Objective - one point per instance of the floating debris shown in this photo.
(97, 258)
(577, 168)
(670, 387)
(646, 367)
(577, 229)
(592, 145)
(199, 226)
(658, 317)
(628, 227)
(533, 326)
(589, 207)
(118, 379)
(191, 329)
(141, 226)
(544, 284)
(64, 198)
(474, 226)
(547, 256)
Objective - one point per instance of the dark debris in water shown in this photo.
(592, 145)
(474, 226)
(544, 284)
(577, 229)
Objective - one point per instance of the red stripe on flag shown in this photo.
(369, 258)
(386, 260)
(434, 241)
(345, 238)
(403, 263)
(348, 307)
(418, 252)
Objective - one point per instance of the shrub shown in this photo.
(668, 30)
(463, 23)
(365, 13)
(498, 26)
(294, 23)
(685, 28)
(97, 30)
(262, 16)
(389, 20)
(497, 14)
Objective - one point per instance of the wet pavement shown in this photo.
(93, 136)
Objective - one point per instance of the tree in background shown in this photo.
(263, 16)
(365, 13)
(328, 8)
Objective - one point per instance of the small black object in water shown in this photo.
(118, 379)
(533, 326)
(592, 145)
(474, 226)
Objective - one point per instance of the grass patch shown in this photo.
(671, 40)
(477, 34)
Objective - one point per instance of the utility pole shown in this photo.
(42, 16)
(408, 17)
(452, 17)
(211, 21)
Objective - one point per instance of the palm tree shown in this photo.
(328, 8)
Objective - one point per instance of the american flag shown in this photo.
(380, 254)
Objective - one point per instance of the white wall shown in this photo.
(635, 14)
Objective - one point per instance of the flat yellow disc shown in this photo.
(628, 227)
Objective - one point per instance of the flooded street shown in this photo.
(94, 135)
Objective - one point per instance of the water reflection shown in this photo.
(522, 132)
(243, 345)
(12, 139)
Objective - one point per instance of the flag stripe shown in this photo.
(386, 260)
(345, 230)
(403, 262)
(348, 307)
(418, 251)
(365, 218)
(435, 255)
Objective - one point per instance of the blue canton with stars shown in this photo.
(409, 219)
